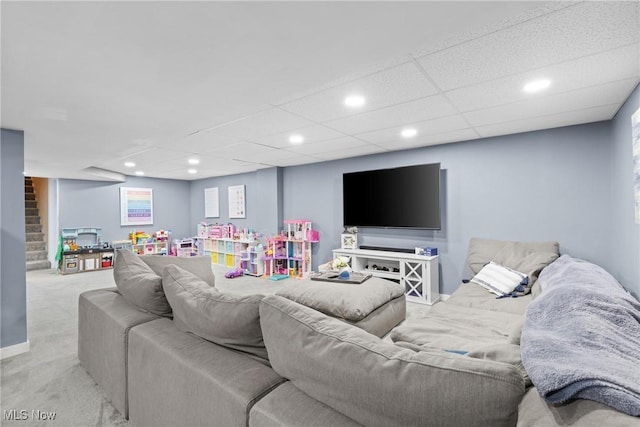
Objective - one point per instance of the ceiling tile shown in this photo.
(426, 140)
(580, 30)
(350, 152)
(606, 94)
(616, 64)
(310, 134)
(293, 161)
(234, 150)
(201, 142)
(337, 144)
(397, 115)
(252, 128)
(588, 115)
(391, 136)
(265, 156)
(382, 89)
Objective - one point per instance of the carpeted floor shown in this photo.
(49, 381)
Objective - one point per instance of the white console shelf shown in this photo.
(417, 273)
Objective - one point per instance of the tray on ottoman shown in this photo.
(375, 305)
(332, 276)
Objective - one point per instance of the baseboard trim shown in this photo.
(14, 350)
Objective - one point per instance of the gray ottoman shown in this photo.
(376, 305)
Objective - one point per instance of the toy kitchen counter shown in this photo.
(86, 259)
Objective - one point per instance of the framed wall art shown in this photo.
(136, 206)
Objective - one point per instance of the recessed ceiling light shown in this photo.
(296, 139)
(139, 173)
(194, 161)
(354, 101)
(408, 133)
(192, 171)
(129, 164)
(536, 85)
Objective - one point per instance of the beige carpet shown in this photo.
(48, 380)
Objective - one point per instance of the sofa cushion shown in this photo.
(471, 295)
(377, 383)
(500, 280)
(459, 329)
(200, 266)
(343, 300)
(105, 319)
(178, 379)
(535, 412)
(229, 320)
(288, 406)
(527, 257)
(138, 284)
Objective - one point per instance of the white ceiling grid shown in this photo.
(236, 111)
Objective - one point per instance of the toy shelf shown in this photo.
(228, 252)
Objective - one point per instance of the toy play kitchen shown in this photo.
(83, 250)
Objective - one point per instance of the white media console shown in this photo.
(417, 273)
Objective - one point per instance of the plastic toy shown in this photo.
(232, 274)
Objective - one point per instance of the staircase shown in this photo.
(36, 247)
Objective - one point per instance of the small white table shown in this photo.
(419, 274)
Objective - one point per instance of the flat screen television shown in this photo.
(403, 197)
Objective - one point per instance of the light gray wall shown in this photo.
(546, 185)
(253, 209)
(625, 236)
(13, 289)
(97, 204)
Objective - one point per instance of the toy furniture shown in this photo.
(83, 250)
(290, 252)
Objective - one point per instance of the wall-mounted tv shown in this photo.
(403, 197)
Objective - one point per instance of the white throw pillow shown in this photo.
(500, 280)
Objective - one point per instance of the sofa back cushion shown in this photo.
(526, 257)
(377, 383)
(199, 266)
(229, 320)
(138, 284)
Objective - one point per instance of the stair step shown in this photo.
(33, 228)
(28, 189)
(29, 196)
(34, 236)
(30, 204)
(31, 211)
(32, 220)
(35, 255)
(35, 245)
(38, 265)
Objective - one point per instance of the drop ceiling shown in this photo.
(96, 84)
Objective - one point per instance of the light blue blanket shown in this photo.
(581, 337)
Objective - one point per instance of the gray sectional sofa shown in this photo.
(460, 366)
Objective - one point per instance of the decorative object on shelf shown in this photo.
(349, 238)
(426, 251)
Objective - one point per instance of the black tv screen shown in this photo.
(404, 197)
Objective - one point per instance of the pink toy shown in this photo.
(232, 274)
